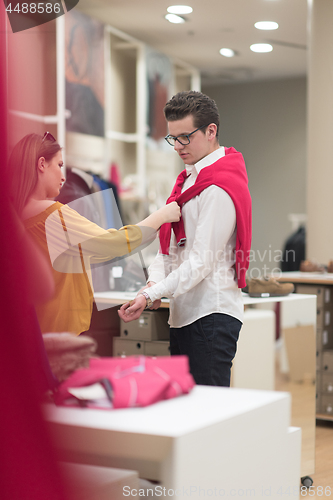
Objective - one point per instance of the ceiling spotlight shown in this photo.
(266, 25)
(261, 47)
(173, 18)
(179, 9)
(227, 52)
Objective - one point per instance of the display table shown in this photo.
(234, 442)
(255, 365)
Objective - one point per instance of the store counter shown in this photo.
(306, 278)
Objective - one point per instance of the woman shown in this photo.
(70, 241)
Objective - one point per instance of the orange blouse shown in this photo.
(71, 243)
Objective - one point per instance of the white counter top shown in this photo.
(118, 298)
(175, 417)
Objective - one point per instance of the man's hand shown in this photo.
(156, 304)
(132, 310)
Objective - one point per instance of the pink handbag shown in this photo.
(126, 382)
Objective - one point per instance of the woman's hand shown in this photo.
(168, 213)
(171, 212)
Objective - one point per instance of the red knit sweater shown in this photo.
(228, 173)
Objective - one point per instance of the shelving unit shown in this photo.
(321, 285)
(40, 105)
(125, 142)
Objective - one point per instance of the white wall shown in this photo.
(266, 121)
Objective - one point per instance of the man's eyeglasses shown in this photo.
(49, 137)
(183, 139)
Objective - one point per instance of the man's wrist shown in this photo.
(149, 302)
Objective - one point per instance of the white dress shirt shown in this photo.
(199, 278)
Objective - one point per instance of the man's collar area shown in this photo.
(206, 161)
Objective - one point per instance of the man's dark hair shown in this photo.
(200, 106)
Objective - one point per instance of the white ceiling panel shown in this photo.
(214, 24)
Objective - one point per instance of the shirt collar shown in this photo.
(206, 161)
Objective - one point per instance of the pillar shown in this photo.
(320, 132)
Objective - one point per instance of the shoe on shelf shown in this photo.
(308, 266)
(268, 287)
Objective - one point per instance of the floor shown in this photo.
(323, 476)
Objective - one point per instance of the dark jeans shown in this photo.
(210, 343)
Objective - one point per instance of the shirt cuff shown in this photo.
(156, 292)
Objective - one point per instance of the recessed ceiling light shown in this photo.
(227, 52)
(266, 25)
(173, 18)
(261, 47)
(179, 9)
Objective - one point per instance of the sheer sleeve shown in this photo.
(71, 238)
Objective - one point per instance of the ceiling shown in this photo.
(214, 24)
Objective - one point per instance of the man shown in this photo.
(202, 267)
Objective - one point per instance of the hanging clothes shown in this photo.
(97, 209)
(294, 251)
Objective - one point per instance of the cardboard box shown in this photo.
(130, 347)
(157, 348)
(152, 325)
(126, 347)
